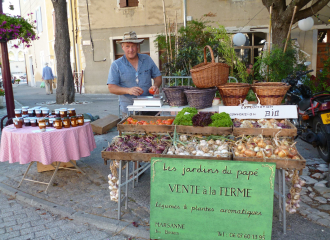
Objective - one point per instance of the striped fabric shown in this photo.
(61, 145)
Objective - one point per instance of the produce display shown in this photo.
(133, 121)
(148, 143)
(266, 148)
(195, 145)
(262, 123)
(190, 117)
(293, 197)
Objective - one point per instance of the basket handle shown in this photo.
(232, 78)
(211, 51)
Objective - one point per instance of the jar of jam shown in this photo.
(18, 122)
(25, 110)
(31, 112)
(27, 122)
(66, 122)
(57, 112)
(72, 112)
(47, 121)
(45, 112)
(80, 120)
(42, 124)
(51, 122)
(57, 123)
(18, 113)
(74, 121)
(33, 122)
(38, 113)
(63, 112)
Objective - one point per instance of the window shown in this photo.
(11, 56)
(39, 20)
(20, 56)
(143, 48)
(128, 3)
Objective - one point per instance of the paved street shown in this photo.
(79, 207)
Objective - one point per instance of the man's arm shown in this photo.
(115, 89)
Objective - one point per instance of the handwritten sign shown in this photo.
(207, 199)
(262, 111)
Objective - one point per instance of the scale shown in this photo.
(148, 101)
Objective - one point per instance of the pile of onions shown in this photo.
(140, 143)
(293, 198)
(190, 146)
(265, 148)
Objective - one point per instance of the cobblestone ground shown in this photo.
(23, 222)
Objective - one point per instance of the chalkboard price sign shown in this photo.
(207, 199)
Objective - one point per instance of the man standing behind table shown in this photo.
(131, 74)
(47, 76)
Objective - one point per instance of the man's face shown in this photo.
(130, 50)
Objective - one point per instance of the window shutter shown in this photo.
(37, 20)
(40, 19)
(133, 3)
(123, 3)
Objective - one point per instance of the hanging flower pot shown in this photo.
(16, 27)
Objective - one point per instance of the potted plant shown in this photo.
(16, 27)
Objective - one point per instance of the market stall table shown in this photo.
(29, 145)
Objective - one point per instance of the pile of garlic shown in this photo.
(293, 198)
(211, 148)
(113, 180)
(262, 123)
(265, 148)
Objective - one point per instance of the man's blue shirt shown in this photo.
(47, 73)
(123, 74)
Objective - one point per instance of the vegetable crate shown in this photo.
(129, 156)
(287, 132)
(169, 128)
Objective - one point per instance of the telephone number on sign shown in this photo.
(241, 235)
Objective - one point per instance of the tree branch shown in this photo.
(316, 7)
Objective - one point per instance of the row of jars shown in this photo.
(44, 112)
(57, 122)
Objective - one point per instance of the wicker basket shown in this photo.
(200, 98)
(270, 93)
(206, 75)
(175, 95)
(233, 94)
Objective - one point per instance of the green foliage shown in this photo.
(2, 92)
(280, 64)
(320, 83)
(191, 43)
(184, 117)
(221, 120)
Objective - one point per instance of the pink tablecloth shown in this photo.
(25, 145)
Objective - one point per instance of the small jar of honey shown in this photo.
(80, 120)
(72, 112)
(57, 123)
(42, 124)
(74, 121)
(66, 122)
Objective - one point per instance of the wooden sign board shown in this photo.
(205, 199)
(261, 111)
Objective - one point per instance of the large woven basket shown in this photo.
(200, 98)
(270, 93)
(175, 95)
(233, 94)
(206, 75)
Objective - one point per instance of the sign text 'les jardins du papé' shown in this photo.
(210, 199)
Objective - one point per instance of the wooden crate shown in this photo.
(169, 128)
(103, 125)
(287, 132)
(280, 162)
(44, 168)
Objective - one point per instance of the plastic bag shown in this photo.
(42, 85)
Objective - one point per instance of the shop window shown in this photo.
(142, 48)
(11, 56)
(128, 3)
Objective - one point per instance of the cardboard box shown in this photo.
(103, 125)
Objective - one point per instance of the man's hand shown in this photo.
(136, 91)
(155, 89)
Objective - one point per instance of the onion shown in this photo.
(240, 147)
(256, 149)
(281, 154)
(262, 144)
(276, 151)
(250, 153)
(268, 153)
(296, 157)
(259, 155)
(293, 151)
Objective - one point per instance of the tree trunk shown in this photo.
(65, 92)
(279, 33)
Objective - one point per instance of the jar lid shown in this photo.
(58, 118)
(65, 118)
(73, 117)
(70, 109)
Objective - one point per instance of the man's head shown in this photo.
(129, 44)
(46, 64)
